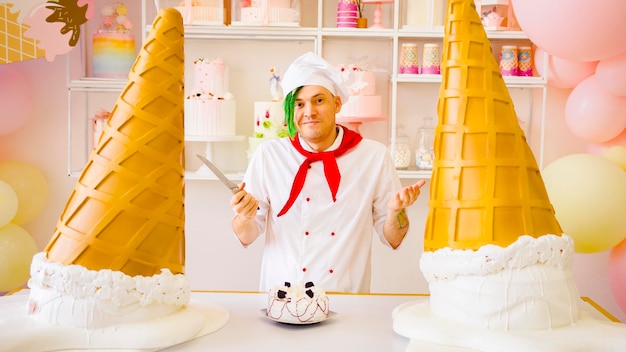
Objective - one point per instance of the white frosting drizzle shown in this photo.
(121, 289)
(447, 263)
(72, 295)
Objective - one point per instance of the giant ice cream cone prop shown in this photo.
(486, 186)
(126, 212)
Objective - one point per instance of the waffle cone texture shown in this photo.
(126, 212)
(486, 187)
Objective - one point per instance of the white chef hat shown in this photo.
(311, 70)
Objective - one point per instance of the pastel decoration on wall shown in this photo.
(617, 274)
(31, 188)
(562, 73)
(21, 47)
(577, 30)
(17, 249)
(594, 115)
(42, 29)
(8, 203)
(588, 192)
(611, 75)
(15, 100)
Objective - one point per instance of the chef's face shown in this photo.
(314, 116)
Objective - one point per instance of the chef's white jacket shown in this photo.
(318, 240)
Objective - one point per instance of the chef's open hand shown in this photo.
(406, 196)
(243, 203)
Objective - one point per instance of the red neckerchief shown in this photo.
(331, 170)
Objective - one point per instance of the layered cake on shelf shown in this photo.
(113, 274)
(210, 108)
(297, 304)
(113, 45)
(347, 13)
(498, 264)
(269, 116)
(269, 13)
(361, 85)
(202, 12)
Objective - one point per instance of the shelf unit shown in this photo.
(278, 46)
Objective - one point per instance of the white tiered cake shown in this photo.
(202, 12)
(269, 116)
(267, 13)
(363, 101)
(210, 108)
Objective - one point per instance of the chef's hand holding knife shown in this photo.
(243, 203)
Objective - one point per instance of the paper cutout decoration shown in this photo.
(33, 29)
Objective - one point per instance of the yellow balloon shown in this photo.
(588, 194)
(30, 185)
(17, 249)
(616, 154)
(8, 203)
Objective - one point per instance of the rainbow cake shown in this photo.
(113, 274)
(269, 116)
(113, 46)
(498, 264)
(210, 108)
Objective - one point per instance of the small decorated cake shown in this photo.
(297, 304)
(347, 13)
(210, 108)
(361, 85)
(113, 44)
(202, 11)
(269, 116)
(270, 12)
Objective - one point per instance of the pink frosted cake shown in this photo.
(361, 85)
(113, 44)
(297, 304)
(270, 12)
(210, 108)
(202, 12)
(347, 13)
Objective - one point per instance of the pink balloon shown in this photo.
(15, 100)
(563, 73)
(594, 115)
(617, 274)
(599, 148)
(611, 74)
(577, 30)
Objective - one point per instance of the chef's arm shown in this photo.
(244, 223)
(397, 221)
(396, 227)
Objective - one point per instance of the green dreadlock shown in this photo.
(288, 105)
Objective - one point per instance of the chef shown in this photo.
(319, 195)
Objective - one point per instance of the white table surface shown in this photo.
(361, 323)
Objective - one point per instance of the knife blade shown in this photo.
(220, 175)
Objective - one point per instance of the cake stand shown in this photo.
(378, 13)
